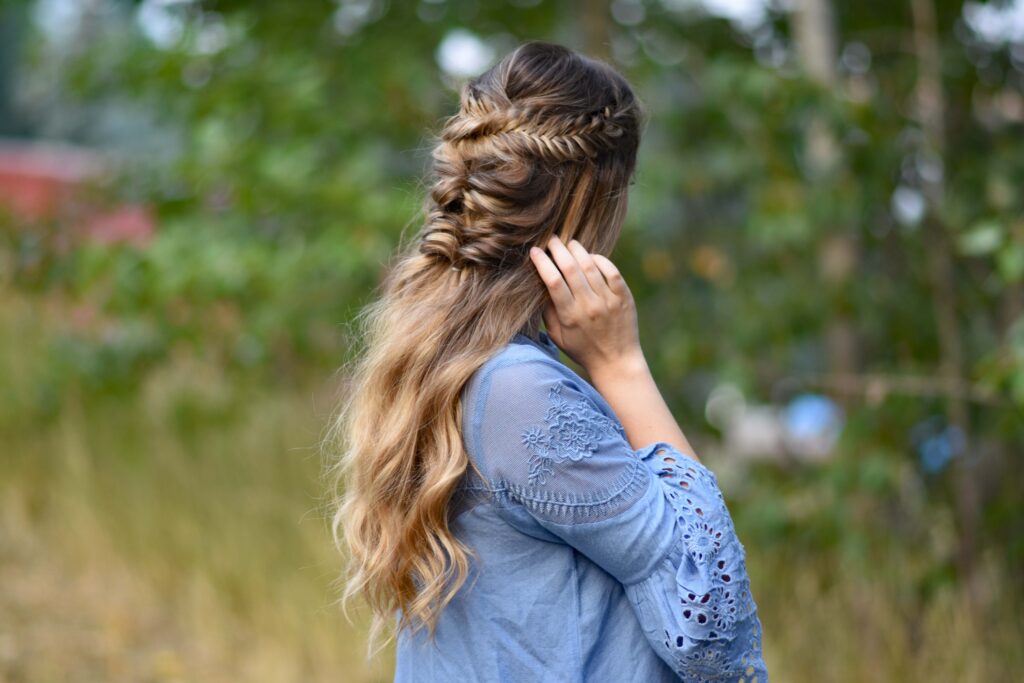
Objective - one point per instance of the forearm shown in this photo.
(630, 389)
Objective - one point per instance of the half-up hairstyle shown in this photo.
(544, 143)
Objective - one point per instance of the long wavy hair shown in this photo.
(543, 143)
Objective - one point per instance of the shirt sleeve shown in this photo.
(652, 517)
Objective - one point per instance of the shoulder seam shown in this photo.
(554, 505)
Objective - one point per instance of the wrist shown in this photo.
(626, 367)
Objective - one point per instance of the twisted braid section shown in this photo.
(476, 210)
(442, 234)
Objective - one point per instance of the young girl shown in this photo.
(514, 521)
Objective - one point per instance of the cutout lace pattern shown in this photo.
(712, 615)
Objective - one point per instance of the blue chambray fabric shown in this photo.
(595, 561)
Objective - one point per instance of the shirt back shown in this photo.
(594, 561)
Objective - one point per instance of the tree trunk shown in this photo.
(814, 33)
(930, 113)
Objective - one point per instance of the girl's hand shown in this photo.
(592, 315)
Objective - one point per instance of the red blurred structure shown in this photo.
(47, 182)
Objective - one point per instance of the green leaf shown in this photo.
(982, 238)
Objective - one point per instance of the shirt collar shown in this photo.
(544, 342)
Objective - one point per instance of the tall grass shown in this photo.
(176, 536)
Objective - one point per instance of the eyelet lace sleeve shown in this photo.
(717, 633)
(652, 517)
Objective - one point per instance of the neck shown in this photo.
(531, 328)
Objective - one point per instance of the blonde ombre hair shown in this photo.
(544, 143)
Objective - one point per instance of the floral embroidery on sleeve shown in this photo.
(572, 431)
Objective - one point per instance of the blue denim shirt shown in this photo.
(596, 561)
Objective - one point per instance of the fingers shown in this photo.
(571, 270)
(578, 281)
(590, 270)
(552, 278)
(616, 283)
